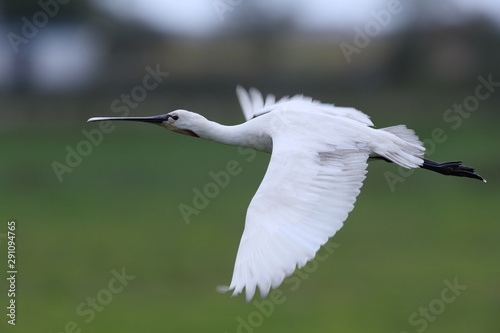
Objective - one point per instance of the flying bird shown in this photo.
(319, 154)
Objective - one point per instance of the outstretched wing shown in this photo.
(254, 105)
(307, 192)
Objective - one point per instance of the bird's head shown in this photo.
(180, 121)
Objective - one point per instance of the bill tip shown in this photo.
(91, 120)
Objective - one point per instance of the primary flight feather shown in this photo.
(317, 167)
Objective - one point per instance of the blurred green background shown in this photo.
(116, 210)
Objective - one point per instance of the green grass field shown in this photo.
(390, 269)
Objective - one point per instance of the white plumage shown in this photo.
(318, 164)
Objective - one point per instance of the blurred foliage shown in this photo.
(66, 10)
(264, 50)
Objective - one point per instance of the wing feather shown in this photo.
(245, 102)
(304, 198)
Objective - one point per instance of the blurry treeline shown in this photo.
(83, 52)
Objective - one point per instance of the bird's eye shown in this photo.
(175, 117)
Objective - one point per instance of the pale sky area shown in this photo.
(199, 17)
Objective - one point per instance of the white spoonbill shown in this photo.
(318, 164)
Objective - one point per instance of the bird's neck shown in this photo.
(243, 135)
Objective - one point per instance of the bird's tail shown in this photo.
(408, 151)
(403, 147)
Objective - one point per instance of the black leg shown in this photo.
(455, 168)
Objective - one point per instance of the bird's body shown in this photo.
(318, 163)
